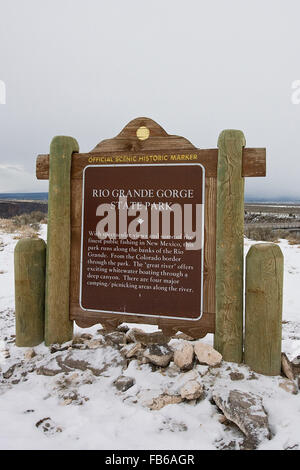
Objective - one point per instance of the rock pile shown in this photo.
(187, 371)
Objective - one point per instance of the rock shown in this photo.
(67, 401)
(296, 361)
(289, 386)
(70, 397)
(188, 376)
(66, 381)
(287, 367)
(58, 348)
(50, 369)
(94, 343)
(74, 378)
(29, 354)
(171, 371)
(236, 376)
(123, 328)
(291, 369)
(159, 355)
(296, 365)
(183, 336)
(164, 400)
(9, 372)
(247, 412)
(182, 379)
(252, 376)
(82, 360)
(123, 383)
(202, 369)
(115, 338)
(5, 353)
(156, 337)
(192, 390)
(135, 350)
(136, 335)
(73, 397)
(223, 420)
(48, 426)
(206, 354)
(77, 340)
(184, 356)
(70, 362)
(80, 346)
(130, 334)
(87, 336)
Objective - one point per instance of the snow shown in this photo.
(103, 418)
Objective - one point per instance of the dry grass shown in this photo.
(24, 225)
(294, 240)
(26, 232)
(34, 218)
(268, 235)
(262, 234)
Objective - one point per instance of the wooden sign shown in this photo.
(112, 280)
(142, 239)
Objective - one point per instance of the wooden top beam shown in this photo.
(253, 165)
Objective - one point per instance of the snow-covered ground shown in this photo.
(83, 410)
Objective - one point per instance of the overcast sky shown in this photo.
(85, 68)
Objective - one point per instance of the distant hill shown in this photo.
(25, 196)
(10, 208)
(278, 200)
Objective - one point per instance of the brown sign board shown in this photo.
(142, 240)
(134, 160)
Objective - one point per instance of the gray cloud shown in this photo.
(14, 179)
(87, 67)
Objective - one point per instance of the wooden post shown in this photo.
(30, 263)
(264, 284)
(58, 327)
(230, 246)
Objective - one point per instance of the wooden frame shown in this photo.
(159, 144)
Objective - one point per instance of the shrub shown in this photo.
(24, 224)
(263, 234)
(35, 217)
(269, 235)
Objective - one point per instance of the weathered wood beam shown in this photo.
(58, 327)
(230, 246)
(264, 284)
(253, 161)
(30, 264)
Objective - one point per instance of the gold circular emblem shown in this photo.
(142, 133)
